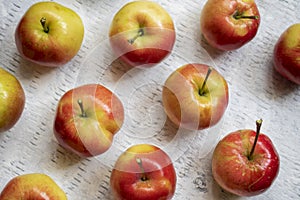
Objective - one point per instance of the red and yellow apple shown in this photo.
(229, 24)
(49, 34)
(87, 118)
(142, 33)
(245, 162)
(32, 186)
(287, 54)
(143, 172)
(12, 100)
(195, 96)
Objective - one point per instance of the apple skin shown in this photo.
(220, 27)
(158, 181)
(157, 38)
(182, 102)
(32, 186)
(55, 47)
(286, 54)
(235, 173)
(12, 100)
(92, 134)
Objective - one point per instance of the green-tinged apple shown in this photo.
(142, 33)
(229, 24)
(195, 96)
(12, 100)
(34, 186)
(143, 172)
(87, 118)
(49, 34)
(287, 54)
(245, 162)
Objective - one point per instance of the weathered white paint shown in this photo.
(256, 91)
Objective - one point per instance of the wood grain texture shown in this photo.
(256, 91)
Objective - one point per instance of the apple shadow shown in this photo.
(118, 69)
(28, 68)
(62, 157)
(178, 140)
(280, 85)
(219, 193)
(213, 52)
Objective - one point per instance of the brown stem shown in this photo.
(83, 113)
(201, 91)
(140, 33)
(140, 163)
(43, 22)
(239, 15)
(258, 126)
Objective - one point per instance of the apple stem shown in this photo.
(201, 91)
(140, 163)
(239, 15)
(83, 113)
(139, 34)
(43, 22)
(258, 126)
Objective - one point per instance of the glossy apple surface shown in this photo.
(143, 172)
(229, 24)
(12, 100)
(49, 34)
(142, 33)
(190, 105)
(32, 187)
(87, 118)
(287, 54)
(237, 172)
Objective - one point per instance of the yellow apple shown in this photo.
(12, 100)
(49, 34)
(142, 33)
(195, 96)
(32, 187)
(286, 55)
(87, 119)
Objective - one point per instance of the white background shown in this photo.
(256, 91)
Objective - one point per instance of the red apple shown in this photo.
(87, 118)
(142, 33)
(287, 54)
(245, 162)
(49, 34)
(12, 100)
(143, 172)
(195, 96)
(229, 24)
(32, 187)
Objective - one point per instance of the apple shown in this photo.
(87, 118)
(12, 100)
(195, 96)
(286, 54)
(229, 24)
(245, 162)
(49, 34)
(143, 172)
(142, 33)
(32, 186)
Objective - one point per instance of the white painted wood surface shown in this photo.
(256, 91)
